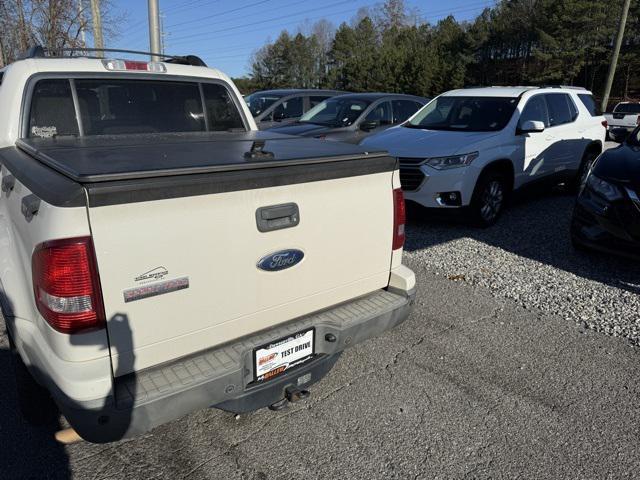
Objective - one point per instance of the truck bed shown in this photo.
(124, 157)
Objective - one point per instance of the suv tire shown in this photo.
(489, 198)
(36, 405)
(587, 160)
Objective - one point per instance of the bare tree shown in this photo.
(54, 24)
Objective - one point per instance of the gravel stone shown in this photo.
(527, 257)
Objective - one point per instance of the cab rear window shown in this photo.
(129, 106)
(52, 110)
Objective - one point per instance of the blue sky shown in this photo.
(225, 32)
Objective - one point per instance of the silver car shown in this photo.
(279, 107)
(353, 117)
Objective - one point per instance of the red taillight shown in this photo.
(66, 284)
(399, 218)
(605, 124)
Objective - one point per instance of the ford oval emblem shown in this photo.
(280, 260)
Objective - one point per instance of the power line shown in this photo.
(297, 22)
(218, 14)
(227, 20)
(187, 4)
(342, 2)
(171, 9)
(209, 16)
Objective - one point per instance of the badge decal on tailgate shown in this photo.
(280, 260)
(153, 289)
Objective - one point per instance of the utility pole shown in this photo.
(154, 29)
(83, 25)
(614, 56)
(97, 25)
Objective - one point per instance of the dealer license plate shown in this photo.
(281, 355)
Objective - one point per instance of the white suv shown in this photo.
(473, 147)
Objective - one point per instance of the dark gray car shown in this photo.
(279, 107)
(352, 117)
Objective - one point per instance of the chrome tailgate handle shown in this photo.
(277, 217)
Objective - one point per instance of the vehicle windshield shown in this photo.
(336, 112)
(259, 102)
(627, 108)
(465, 114)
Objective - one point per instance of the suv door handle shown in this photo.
(277, 217)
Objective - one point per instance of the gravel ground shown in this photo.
(528, 257)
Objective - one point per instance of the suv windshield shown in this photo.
(259, 102)
(627, 108)
(118, 106)
(336, 112)
(466, 114)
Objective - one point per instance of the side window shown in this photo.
(403, 109)
(316, 99)
(559, 110)
(291, 108)
(535, 110)
(381, 114)
(52, 111)
(222, 112)
(590, 103)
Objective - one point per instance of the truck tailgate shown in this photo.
(178, 255)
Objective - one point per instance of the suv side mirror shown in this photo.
(618, 135)
(369, 125)
(531, 126)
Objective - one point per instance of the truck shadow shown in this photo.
(536, 226)
(27, 452)
(31, 451)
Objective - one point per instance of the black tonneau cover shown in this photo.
(125, 157)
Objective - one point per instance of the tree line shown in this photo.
(516, 42)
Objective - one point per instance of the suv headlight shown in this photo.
(454, 161)
(604, 188)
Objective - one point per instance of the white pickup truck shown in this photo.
(159, 255)
(624, 115)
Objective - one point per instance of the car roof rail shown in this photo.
(38, 51)
(570, 87)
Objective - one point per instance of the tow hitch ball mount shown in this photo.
(292, 395)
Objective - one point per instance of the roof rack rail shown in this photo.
(38, 51)
(572, 87)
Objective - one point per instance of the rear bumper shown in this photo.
(223, 377)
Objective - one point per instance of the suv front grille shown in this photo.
(411, 177)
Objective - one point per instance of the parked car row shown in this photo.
(470, 149)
